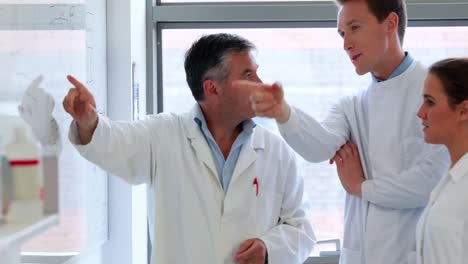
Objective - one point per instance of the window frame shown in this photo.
(314, 14)
(267, 15)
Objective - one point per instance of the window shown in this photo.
(35, 40)
(297, 45)
(227, 1)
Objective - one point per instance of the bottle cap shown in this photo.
(23, 132)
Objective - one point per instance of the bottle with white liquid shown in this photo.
(24, 158)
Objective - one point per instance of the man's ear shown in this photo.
(464, 110)
(392, 23)
(210, 88)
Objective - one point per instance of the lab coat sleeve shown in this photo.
(316, 141)
(411, 187)
(292, 240)
(121, 148)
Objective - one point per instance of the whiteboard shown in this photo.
(53, 41)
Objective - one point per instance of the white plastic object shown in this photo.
(24, 158)
(1, 189)
(337, 250)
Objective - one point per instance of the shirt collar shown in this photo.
(404, 65)
(247, 125)
(199, 118)
(460, 168)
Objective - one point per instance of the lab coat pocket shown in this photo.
(267, 207)
(350, 256)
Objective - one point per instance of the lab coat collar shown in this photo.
(247, 125)
(200, 145)
(193, 130)
(460, 169)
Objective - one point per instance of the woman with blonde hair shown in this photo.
(442, 231)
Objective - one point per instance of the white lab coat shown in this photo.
(442, 231)
(195, 221)
(401, 170)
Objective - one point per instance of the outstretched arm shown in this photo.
(80, 104)
(121, 148)
(314, 141)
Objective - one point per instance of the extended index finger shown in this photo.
(78, 85)
(243, 84)
(85, 94)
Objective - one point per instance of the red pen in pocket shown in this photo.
(255, 182)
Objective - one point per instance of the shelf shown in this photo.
(27, 220)
(17, 232)
(13, 233)
(31, 218)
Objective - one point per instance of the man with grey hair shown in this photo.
(225, 190)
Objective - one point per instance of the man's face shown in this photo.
(365, 40)
(235, 101)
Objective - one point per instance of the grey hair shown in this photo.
(220, 72)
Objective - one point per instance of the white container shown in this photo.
(3, 209)
(24, 158)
